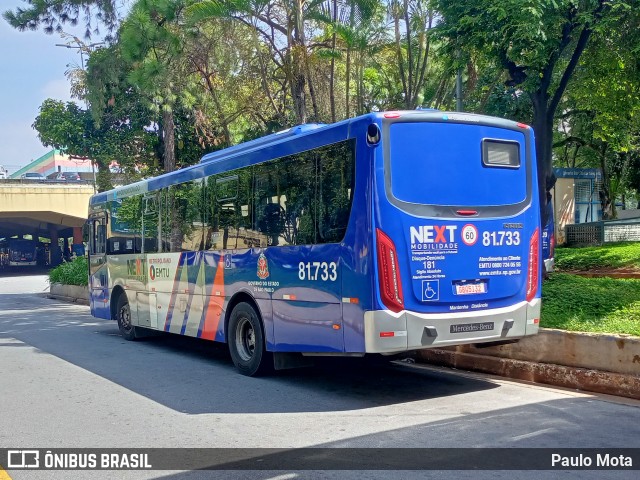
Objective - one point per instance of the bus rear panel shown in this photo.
(457, 238)
(22, 253)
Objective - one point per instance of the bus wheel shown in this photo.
(246, 341)
(123, 315)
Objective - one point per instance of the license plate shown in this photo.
(471, 327)
(470, 288)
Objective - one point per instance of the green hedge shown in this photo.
(75, 272)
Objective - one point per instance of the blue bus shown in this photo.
(381, 234)
(22, 252)
(549, 240)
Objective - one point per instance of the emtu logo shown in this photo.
(158, 272)
(433, 234)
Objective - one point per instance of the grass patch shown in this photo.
(75, 272)
(610, 256)
(606, 305)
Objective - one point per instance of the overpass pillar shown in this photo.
(77, 235)
(54, 251)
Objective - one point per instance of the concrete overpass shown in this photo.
(48, 209)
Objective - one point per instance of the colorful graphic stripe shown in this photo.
(213, 312)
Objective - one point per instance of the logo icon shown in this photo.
(430, 290)
(263, 267)
(23, 459)
(152, 272)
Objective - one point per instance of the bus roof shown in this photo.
(261, 141)
(281, 144)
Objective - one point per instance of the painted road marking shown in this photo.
(3, 474)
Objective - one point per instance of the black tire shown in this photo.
(123, 316)
(246, 342)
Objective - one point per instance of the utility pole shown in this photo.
(83, 48)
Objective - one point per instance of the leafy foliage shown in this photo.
(51, 15)
(182, 77)
(593, 304)
(75, 272)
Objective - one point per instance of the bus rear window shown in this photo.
(456, 164)
(498, 153)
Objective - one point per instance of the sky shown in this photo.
(32, 69)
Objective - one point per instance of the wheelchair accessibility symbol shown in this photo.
(430, 290)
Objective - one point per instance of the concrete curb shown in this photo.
(592, 362)
(69, 293)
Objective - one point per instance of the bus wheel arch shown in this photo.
(122, 315)
(118, 291)
(246, 338)
(235, 300)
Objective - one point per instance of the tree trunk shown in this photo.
(332, 95)
(169, 136)
(606, 202)
(543, 130)
(299, 81)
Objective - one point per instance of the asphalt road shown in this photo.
(69, 380)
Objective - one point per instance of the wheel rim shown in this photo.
(245, 339)
(125, 318)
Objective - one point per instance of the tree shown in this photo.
(72, 130)
(51, 15)
(538, 44)
(412, 22)
(601, 113)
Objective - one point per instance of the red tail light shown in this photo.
(389, 273)
(534, 265)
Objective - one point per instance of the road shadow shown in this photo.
(18, 272)
(494, 444)
(194, 376)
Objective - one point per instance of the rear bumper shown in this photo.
(389, 332)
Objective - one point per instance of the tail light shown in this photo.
(389, 273)
(534, 266)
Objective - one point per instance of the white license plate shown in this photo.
(471, 288)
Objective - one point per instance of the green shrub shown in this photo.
(607, 305)
(75, 272)
(614, 255)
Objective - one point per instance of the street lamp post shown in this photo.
(82, 47)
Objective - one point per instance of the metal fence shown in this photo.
(597, 233)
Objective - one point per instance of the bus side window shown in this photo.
(150, 223)
(98, 237)
(336, 165)
(284, 200)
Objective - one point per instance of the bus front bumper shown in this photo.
(390, 332)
